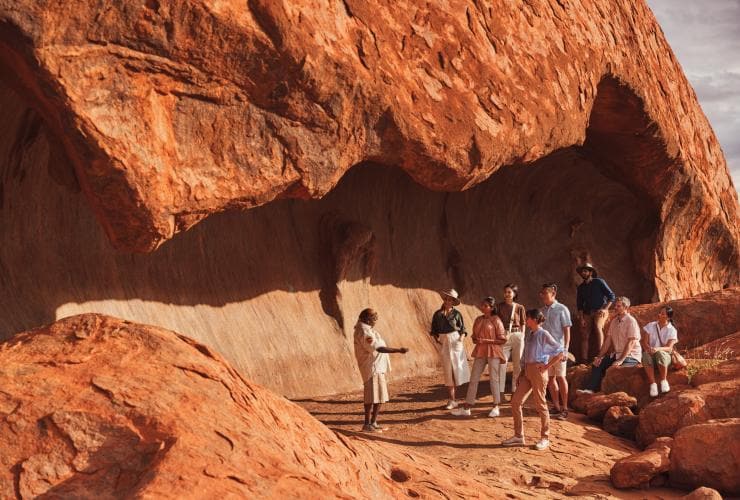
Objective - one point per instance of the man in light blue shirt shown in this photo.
(558, 323)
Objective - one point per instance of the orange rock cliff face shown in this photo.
(486, 145)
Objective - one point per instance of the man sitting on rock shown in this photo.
(622, 342)
(593, 300)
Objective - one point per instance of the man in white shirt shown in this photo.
(373, 361)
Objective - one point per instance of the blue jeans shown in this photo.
(598, 372)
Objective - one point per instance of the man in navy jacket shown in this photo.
(593, 300)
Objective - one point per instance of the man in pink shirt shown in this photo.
(621, 346)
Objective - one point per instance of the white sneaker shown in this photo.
(542, 444)
(461, 412)
(514, 441)
(584, 391)
(494, 413)
(451, 404)
(664, 387)
(653, 390)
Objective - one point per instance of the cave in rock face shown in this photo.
(277, 289)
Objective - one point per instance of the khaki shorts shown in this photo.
(558, 369)
(376, 389)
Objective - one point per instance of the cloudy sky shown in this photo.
(705, 36)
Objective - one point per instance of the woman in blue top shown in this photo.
(541, 351)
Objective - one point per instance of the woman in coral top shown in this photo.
(489, 337)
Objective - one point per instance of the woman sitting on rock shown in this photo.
(489, 337)
(656, 349)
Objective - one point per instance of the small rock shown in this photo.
(620, 421)
(597, 406)
(703, 493)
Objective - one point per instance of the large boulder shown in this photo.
(633, 381)
(707, 454)
(670, 413)
(95, 407)
(347, 129)
(639, 469)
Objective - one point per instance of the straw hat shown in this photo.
(450, 293)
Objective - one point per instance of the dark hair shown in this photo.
(668, 312)
(514, 289)
(367, 315)
(536, 315)
(550, 285)
(490, 301)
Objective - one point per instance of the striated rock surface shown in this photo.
(95, 407)
(726, 347)
(129, 123)
(707, 454)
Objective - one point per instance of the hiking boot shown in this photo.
(461, 412)
(494, 413)
(451, 404)
(584, 391)
(377, 427)
(664, 387)
(653, 390)
(514, 441)
(542, 444)
(368, 428)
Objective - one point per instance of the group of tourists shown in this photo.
(539, 356)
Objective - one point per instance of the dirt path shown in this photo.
(577, 463)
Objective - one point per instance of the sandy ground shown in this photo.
(576, 465)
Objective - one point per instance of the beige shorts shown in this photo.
(376, 389)
(558, 369)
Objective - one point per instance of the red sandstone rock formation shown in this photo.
(700, 319)
(633, 381)
(723, 348)
(708, 454)
(597, 406)
(620, 421)
(161, 113)
(97, 407)
(639, 469)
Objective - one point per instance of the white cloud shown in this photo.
(705, 36)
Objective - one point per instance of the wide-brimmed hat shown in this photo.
(450, 293)
(588, 266)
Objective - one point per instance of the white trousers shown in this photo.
(513, 349)
(454, 359)
(478, 366)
